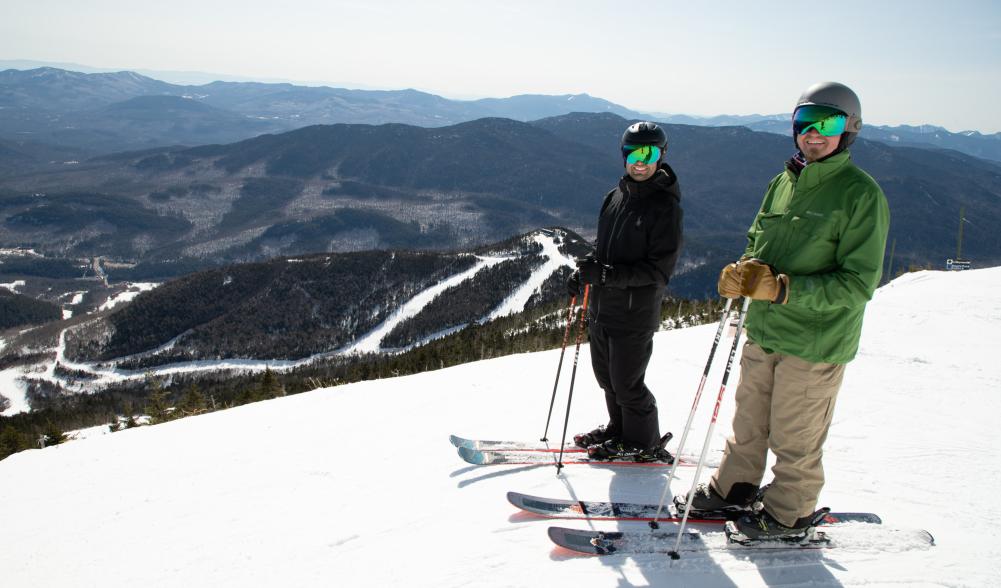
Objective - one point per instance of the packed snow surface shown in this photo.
(358, 485)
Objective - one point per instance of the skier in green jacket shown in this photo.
(814, 257)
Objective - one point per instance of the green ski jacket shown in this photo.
(826, 229)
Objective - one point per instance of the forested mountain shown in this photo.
(339, 188)
(293, 308)
(17, 310)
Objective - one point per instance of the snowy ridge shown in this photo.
(107, 372)
(297, 491)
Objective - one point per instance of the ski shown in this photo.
(859, 536)
(558, 508)
(530, 457)
(482, 444)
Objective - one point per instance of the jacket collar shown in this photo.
(663, 180)
(812, 174)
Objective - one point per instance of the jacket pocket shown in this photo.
(810, 246)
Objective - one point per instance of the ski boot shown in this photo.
(708, 504)
(616, 449)
(596, 437)
(757, 527)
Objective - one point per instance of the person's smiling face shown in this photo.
(640, 171)
(816, 146)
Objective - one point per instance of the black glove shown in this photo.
(573, 284)
(592, 272)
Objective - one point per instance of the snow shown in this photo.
(13, 286)
(128, 295)
(520, 297)
(372, 342)
(14, 390)
(308, 490)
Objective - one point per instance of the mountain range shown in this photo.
(99, 113)
(109, 112)
(330, 188)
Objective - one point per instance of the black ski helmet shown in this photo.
(841, 97)
(644, 133)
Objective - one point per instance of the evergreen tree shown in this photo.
(12, 441)
(270, 387)
(157, 406)
(52, 435)
(193, 401)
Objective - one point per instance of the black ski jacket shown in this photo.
(639, 238)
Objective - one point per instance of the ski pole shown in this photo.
(712, 424)
(691, 414)
(573, 374)
(559, 368)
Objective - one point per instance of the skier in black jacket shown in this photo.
(639, 240)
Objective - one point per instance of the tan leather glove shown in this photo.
(728, 284)
(760, 281)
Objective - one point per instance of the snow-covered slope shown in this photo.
(358, 485)
(13, 384)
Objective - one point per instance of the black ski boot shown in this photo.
(596, 437)
(761, 526)
(616, 449)
(708, 504)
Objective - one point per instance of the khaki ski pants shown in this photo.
(784, 404)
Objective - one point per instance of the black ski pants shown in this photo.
(619, 359)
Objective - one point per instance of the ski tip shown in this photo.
(473, 456)
(516, 498)
(586, 542)
(558, 535)
(458, 441)
(928, 536)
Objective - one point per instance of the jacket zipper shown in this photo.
(618, 217)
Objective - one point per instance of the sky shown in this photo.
(911, 62)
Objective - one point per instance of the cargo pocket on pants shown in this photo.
(824, 391)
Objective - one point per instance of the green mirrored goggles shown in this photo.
(641, 154)
(827, 121)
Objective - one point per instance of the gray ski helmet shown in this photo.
(644, 133)
(840, 96)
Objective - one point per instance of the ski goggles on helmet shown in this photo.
(641, 153)
(827, 121)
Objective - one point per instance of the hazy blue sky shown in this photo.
(911, 62)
